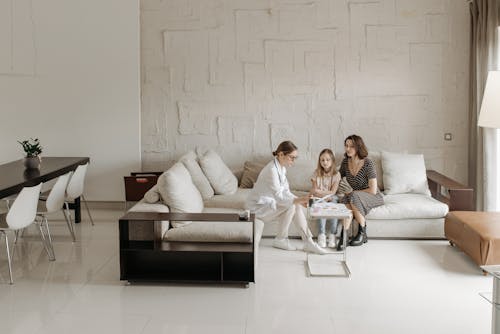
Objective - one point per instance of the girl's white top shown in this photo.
(270, 190)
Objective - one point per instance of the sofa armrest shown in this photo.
(457, 196)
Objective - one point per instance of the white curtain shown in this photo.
(482, 141)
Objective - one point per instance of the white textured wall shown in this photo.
(69, 75)
(242, 75)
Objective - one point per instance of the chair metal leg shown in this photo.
(88, 211)
(46, 240)
(67, 216)
(42, 236)
(18, 234)
(66, 212)
(8, 256)
(49, 238)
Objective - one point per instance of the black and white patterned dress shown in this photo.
(362, 200)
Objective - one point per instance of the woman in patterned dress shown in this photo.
(361, 175)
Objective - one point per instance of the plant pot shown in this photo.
(30, 173)
(32, 162)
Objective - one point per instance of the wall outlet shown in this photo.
(448, 136)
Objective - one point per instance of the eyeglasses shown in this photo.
(292, 157)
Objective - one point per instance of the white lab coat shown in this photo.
(271, 191)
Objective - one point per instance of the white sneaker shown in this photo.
(283, 244)
(332, 241)
(312, 247)
(322, 240)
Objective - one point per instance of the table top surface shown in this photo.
(329, 210)
(14, 176)
(494, 270)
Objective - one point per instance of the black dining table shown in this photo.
(14, 176)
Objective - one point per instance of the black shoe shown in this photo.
(340, 240)
(360, 238)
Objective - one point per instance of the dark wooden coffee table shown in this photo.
(158, 260)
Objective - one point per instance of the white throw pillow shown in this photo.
(404, 173)
(178, 191)
(199, 179)
(218, 174)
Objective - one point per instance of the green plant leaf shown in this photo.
(31, 147)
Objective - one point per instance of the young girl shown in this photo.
(325, 181)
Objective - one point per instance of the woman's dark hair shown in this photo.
(359, 145)
(286, 147)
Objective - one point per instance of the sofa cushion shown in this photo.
(142, 230)
(218, 174)
(178, 191)
(143, 206)
(152, 195)
(251, 171)
(404, 173)
(234, 201)
(199, 179)
(239, 231)
(409, 206)
(215, 232)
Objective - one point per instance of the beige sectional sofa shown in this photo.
(186, 187)
(410, 210)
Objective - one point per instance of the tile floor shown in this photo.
(396, 287)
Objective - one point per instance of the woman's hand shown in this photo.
(301, 200)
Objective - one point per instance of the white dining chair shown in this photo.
(21, 214)
(54, 203)
(75, 188)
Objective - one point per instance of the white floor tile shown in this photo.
(395, 287)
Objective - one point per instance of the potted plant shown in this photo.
(32, 149)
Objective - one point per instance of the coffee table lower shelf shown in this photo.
(168, 261)
(186, 262)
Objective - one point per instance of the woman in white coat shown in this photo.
(271, 200)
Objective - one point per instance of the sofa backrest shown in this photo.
(299, 175)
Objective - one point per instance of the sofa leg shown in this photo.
(452, 244)
(485, 273)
